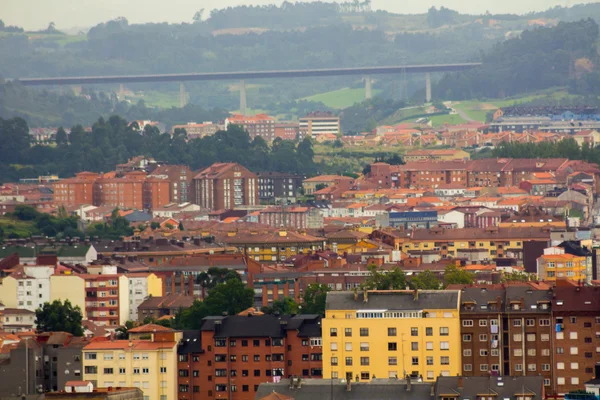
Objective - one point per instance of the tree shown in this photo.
(169, 226)
(454, 275)
(320, 186)
(380, 279)
(516, 276)
(285, 306)
(59, 317)
(181, 228)
(61, 137)
(154, 225)
(213, 276)
(198, 15)
(315, 297)
(425, 280)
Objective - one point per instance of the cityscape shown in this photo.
(307, 200)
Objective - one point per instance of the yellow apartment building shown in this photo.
(381, 334)
(555, 264)
(149, 365)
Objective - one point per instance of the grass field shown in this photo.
(20, 228)
(341, 98)
(59, 38)
(156, 99)
(451, 119)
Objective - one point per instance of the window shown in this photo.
(415, 361)
(531, 337)
(391, 331)
(530, 322)
(256, 357)
(255, 343)
(334, 361)
(392, 361)
(444, 345)
(364, 331)
(483, 367)
(574, 350)
(483, 322)
(531, 367)
(516, 322)
(108, 371)
(560, 381)
(91, 369)
(517, 337)
(108, 356)
(483, 337)
(467, 353)
(244, 343)
(145, 371)
(90, 356)
(334, 346)
(518, 352)
(348, 346)
(560, 365)
(483, 352)
(414, 346)
(467, 322)
(392, 346)
(348, 361)
(531, 352)
(445, 360)
(518, 367)
(574, 365)
(136, 371)
(573, 335)
(428, 331)
(573, 320)
(429, 360)
(545, 367)
(414, 331)
(467, 367)
(122, 371)
(428, 345)
(257, 372)
(364, 361)
(364, 346)
(560, 350)
(444, 331)
(348, 332)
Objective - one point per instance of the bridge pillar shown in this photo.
(121, 92)
(182, 95)
(427, 87)
(368, 89)
(242, 97)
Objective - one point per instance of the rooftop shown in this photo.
(394, 300)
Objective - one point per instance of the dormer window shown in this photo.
(516, 306)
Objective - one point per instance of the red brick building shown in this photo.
(180, 181)
(156, 192)
(225, 186)
(238, 353)
(125, 193)
(75, 191)
(259, 125)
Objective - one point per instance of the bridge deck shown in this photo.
(213, 76)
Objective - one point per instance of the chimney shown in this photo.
(408, 383)
(366, 296)
(460, 383)
(356, 295)
(416, 295)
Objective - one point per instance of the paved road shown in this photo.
(460, 112)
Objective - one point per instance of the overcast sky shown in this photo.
(36, 14)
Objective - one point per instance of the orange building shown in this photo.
(125, 192)
(259, 125)
(156, 193)
(75, 191)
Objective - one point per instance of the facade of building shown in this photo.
(247, 350)
(197, 131)
(17, 319)
(156, 193)
(290, 217)
(125, 193)
(390, 334)
(319, 123)
(27, 287)
(180, 181)
(287, 130)
(141, 286)
(75, 191)
(436, 155)
(555, 264)
(149, 365)
(277, 185)
(259, 125)
(225, 186)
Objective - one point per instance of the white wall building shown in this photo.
(28, 287)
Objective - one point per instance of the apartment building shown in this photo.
(75, 191)
(225, 186)
(156, 192)
(555, 264)
(576, 335)
(291, 217)
(506, 331)
(478, 244)
(197, 131)
(319, 123)
(429, 175)
(244, 351)
(278, 185)
(149, 365)
(387, 334)
(311, 185)
(125, 193)
(287, 130)
(180, 181)
(106, 298)
(259, 125)
(436, 155)
(27, 287)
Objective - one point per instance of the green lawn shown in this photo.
(156, 99)
(341, 98)
(451, 119)
(21, 228)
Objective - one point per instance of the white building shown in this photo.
(28, 287)
(452, 217)
(319, 123)
(170, 210)
(142, 285)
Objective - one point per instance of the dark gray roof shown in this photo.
(504, 387)
(531, 297)
(190, 343)
(250, 326)
(393, 300)
(307, 325)
(325, 389)
(481, 296)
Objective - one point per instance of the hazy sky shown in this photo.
(36, 14)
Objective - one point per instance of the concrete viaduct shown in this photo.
(366, 72)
